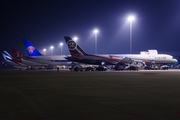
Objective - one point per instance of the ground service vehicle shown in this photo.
(118, 68)
(164, 67)
(133, 68)
(101, 68)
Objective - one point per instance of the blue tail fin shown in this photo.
(31, 50)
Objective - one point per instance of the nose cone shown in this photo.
(175, 60)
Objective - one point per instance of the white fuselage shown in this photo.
(158, 58)
(49, 60)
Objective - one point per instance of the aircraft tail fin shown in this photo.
(17, 54)
(31, 50)
(7, 57)
(74, 49)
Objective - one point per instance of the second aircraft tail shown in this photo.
(74, 49)
(31, 50)
(7, 56)
(17, 54)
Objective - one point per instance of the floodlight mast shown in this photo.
(61, 44)
(130, 19)
(52, 47)
(44, 50)
(95, 32)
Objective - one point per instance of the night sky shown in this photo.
(46, 22)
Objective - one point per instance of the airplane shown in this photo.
(150, 57)
(78, 55)
(8, 59)
(49, 60)
(27, 60)
(18, 61)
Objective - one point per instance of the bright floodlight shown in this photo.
(61, 44)
(131, 18)
(44, 50)
(52, 47)
(96, 31)
(75, 38)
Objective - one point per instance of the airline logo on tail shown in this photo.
(17, 54)
(30, 49)
(71, 45)
(7, 56)
(74, 49)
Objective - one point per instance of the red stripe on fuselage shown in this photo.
(79, 55)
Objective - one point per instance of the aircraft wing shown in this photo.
(32, 61)
(139, 61)
(126, 60)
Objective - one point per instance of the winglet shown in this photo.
(31, 50)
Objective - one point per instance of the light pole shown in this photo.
(61, 44)
(75, 39)
(44, 51)
(52, 47)
(130, 19)
(95, 32)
